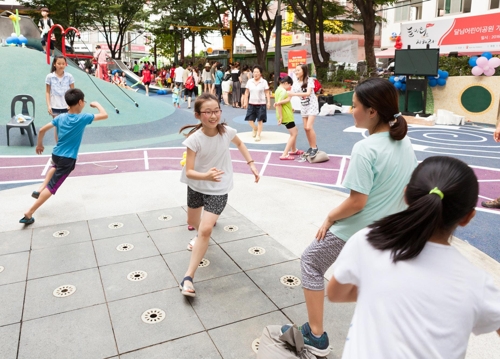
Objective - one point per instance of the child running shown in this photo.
(208, 174)
(70, 127)
(146, 78)
(380, 167)
(284, 114)
(417, 296)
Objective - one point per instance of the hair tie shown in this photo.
(397, 115)
(392, 123)
(437, 191)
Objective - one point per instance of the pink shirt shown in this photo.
(100, 55)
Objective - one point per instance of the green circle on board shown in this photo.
(476, 99)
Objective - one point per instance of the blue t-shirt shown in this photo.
(219, 75)
(70, 128)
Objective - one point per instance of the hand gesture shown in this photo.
(94, 104)
(39, 149)
(214, 175)
(320, 235)
(255, 172)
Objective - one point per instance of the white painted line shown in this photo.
(264, 165)
(486, 198)
(341, 171)
(46, 168)
(482, 209)
(146, 161)
(28, 166)
(497, 180)
(419, 147)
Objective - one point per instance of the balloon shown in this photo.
(396, 79)
(433, 82)
(477, 71)
(488, 55)
(13, 34)
(490, 72)
(441, 82)
(482, 62)
(445, 74)
(398, 45)
(403, 87)
(398, 85)
(391, 79)
(494, 62)
(472, 61)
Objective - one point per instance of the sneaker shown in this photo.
(254, 133)
(35, 194)
(314, 152)
(25, 220)
(308, 152)
(495, 203)
(257, 138)
(317, 346)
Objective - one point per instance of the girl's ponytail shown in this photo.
(442, 191)
(193, 128)
(398, 127)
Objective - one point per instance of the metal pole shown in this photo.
(277, 47)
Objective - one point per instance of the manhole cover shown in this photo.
(153, 316)
(290, 281)
(231, 228)
(255, 345)
(64, 291)
(124, 247)
(137, 276)
(165, 217)
(1, 269)
(115, 225)
(257, 251)
(60, 234)
(204, 263)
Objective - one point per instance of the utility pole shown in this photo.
(277, 47)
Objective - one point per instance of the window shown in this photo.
(494, 4)
(84, 37)
(101, 38)
(454, 6)
(408, 10)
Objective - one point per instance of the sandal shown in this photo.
(191, 244)
(495, 203)
(297, 153)
(187, 290)
(25, 220)
(191, 228)
(290, 158)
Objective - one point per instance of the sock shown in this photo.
(315, 336)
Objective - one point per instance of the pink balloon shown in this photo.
(477, 71)
(494, 62)
(482, 61)
(490, 72)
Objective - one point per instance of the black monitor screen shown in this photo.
(417, 62)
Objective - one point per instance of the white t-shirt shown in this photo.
(179, 72)
(421, 308)
(211, 152)
(257, 91)
(58, 88)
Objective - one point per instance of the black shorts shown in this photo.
(290, 125)
(211, 203)
(58, 111)
(64, 166)
(147, 83)
(44, 41)
(189, 93)
(256, 113)
(179, 84)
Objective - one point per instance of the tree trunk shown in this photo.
(369, 29)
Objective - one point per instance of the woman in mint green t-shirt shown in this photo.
(380, 167)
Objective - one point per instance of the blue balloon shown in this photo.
(398, 85)
(433, 82)
(444, 75)
(403, 87)
(441, 82)
(391, 79)
(10, 40)
(488, 55)
(114, 71)
(23, 40)
(472, 61)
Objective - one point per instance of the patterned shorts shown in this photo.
(317, 258)
(211, 203)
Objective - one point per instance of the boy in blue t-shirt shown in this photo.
(70, 127)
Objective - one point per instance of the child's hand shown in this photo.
(39, 149)
(320, 235)
(214, 174)
(279, 121)
(50, 111)
(94, 104)
(255, 172)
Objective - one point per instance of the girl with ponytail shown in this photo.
(417, 296)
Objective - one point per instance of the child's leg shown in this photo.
(189, 101)
(290, 145)
(260, 126)
(44, 195)
(309, 129)
(48, 176)
(194, 217)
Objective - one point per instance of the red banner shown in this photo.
(295, 58)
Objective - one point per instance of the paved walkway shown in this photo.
(238, 293)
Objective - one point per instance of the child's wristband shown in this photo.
(252, 161)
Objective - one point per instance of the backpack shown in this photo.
(227, 77)
(189, 82)
(317, 86)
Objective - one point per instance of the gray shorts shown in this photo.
(316, 260)
(211, 203)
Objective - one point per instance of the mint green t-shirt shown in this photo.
(380, 167)
(286, 108)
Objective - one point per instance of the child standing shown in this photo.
(146, 78)
(284, 114)
(431, 297)
(256, 94)
(380, 168)
(44, 25)
(70, 127)
(176, 95)
(209, 176)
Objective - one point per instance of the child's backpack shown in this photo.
(189, 82)
(317, 86)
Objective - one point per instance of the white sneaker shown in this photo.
(254, 133)
(257, 138)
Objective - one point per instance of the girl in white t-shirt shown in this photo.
(417, 296)
(56, 85)
(209, 175)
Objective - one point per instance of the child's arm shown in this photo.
(352, 205)
(341, 293)
(282, 102)
(47, 98)
(246, 155)
(213, 174)
(41, 134)
(102, 115)
(280, 114)
(268, 96)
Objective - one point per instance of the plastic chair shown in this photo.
(28, 125)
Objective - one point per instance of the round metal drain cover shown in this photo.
(231, 228)
(257, 251)
(60, 234)
(204, 263)
(64, 291)
(165, 217)
(153, 316)
(255, 345)
(137, 276)
(1, 269)
(115, 225)
(290, 281)
(124, 247)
